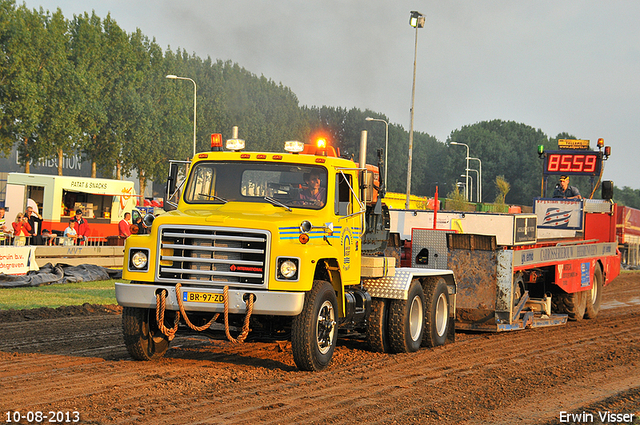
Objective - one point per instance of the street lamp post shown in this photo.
(479, 179)
(386, 148)
(470, 186)
(417, 21)
(195, 91)
(466, 192)
(477, 184)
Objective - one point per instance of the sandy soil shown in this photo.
(74, 360)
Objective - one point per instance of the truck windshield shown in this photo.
(291, 184)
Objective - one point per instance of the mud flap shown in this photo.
(451, 332)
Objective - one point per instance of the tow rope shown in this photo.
(161, 298)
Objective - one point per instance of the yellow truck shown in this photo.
(292, 245)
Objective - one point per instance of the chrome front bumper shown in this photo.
(266, 302)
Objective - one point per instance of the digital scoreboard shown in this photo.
(573, 162)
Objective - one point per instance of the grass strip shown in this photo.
(53, 296)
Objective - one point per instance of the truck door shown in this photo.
(349, 225)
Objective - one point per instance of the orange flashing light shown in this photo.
(303, 238)
(216, 140)
(321, 143)
(310, 149)
(601, 143)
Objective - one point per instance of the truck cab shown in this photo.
(278, 236)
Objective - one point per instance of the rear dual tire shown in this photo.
(406, 321)
(573, 305)
(583, 304)
(437, 318)
(594, 295)
(378, 326)
(402, 326)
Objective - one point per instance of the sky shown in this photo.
(556, 65)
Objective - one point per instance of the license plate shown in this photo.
(202, 297)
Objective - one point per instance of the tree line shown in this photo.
(84, 85)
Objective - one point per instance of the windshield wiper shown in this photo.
(276, 202)
(217, 198)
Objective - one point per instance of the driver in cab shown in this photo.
(314, 193)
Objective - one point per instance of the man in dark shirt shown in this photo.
(35, 220)
(563, 190)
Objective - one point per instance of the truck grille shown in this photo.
(213, 255)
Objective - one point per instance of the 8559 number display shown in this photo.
(573, 163)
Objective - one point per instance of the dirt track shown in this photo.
(79, 363)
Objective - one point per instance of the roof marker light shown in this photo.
(293, 146)
(235, 144)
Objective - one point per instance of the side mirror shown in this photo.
(172, 179)
(367, 186)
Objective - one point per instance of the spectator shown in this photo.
(82, 228)
(21, 230)
(123, 226)
(138, 227)
(70, 234)
(47, 237)
(5, 229)
(35, 221)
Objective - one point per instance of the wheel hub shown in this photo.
(416, 318)
(442, 314)
(326, 327)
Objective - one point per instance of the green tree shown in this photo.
(7, 29)
(87, 56)
(23, 64)
(154, 133)
(505, 148)
(60, 92)
(627, 196)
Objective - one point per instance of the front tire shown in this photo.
(406, 320)
(143, 339)
(437, 321)
(594, 296)
(314, 331)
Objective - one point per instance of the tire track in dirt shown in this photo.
(544, 351)
(479, 379)
(412, 379)
(67, 382)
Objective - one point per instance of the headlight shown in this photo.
(288, 269)
(139, 260)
